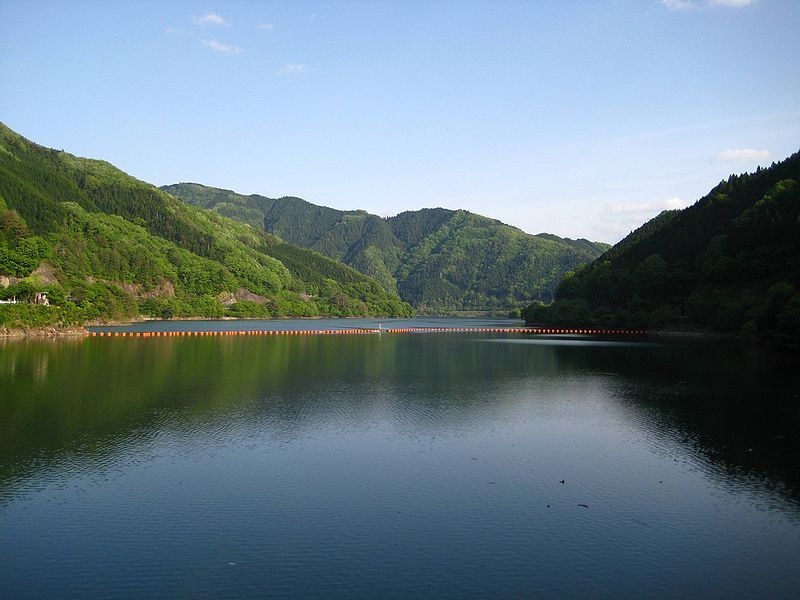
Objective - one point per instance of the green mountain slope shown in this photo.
(106, 245)
(436, 259)
(729, 263)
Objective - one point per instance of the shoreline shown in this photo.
(50, 331)
(55, 331)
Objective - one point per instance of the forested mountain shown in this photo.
(729, 263)
(104, 244)
(436, 259)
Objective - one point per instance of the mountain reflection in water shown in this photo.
(395, 465)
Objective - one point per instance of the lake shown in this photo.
(395, 465)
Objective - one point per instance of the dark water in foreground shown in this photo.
(395, 465)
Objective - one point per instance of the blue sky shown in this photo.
(583, 119)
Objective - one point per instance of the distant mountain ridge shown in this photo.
(103, 244)
(437, 259)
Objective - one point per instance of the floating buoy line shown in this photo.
(365, 331)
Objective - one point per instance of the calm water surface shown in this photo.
(395, 465)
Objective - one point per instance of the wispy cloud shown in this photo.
(292, 69)
(643, 208)
(265, 26)
(617, 219)
(210, 19)
(690, 4)
(678, 4)
(743, 155)
(733, 3)
(222, 48)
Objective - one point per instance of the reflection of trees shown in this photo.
(90, 396)
(738, 411)
(102, 387)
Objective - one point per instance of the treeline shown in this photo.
(439, 260)
(730, 263)
(103, 245)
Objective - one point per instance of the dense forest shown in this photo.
(730, 263)
(103, 245)
(436, 259)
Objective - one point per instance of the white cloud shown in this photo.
(620, 208)
(733, 3)
(643, 208)
(221, 48)
(678, 4)
(690, 4)
(673, 203)
(210, 19)
(265, 26)
(617, 219)
(292, 69)
(744, 155)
